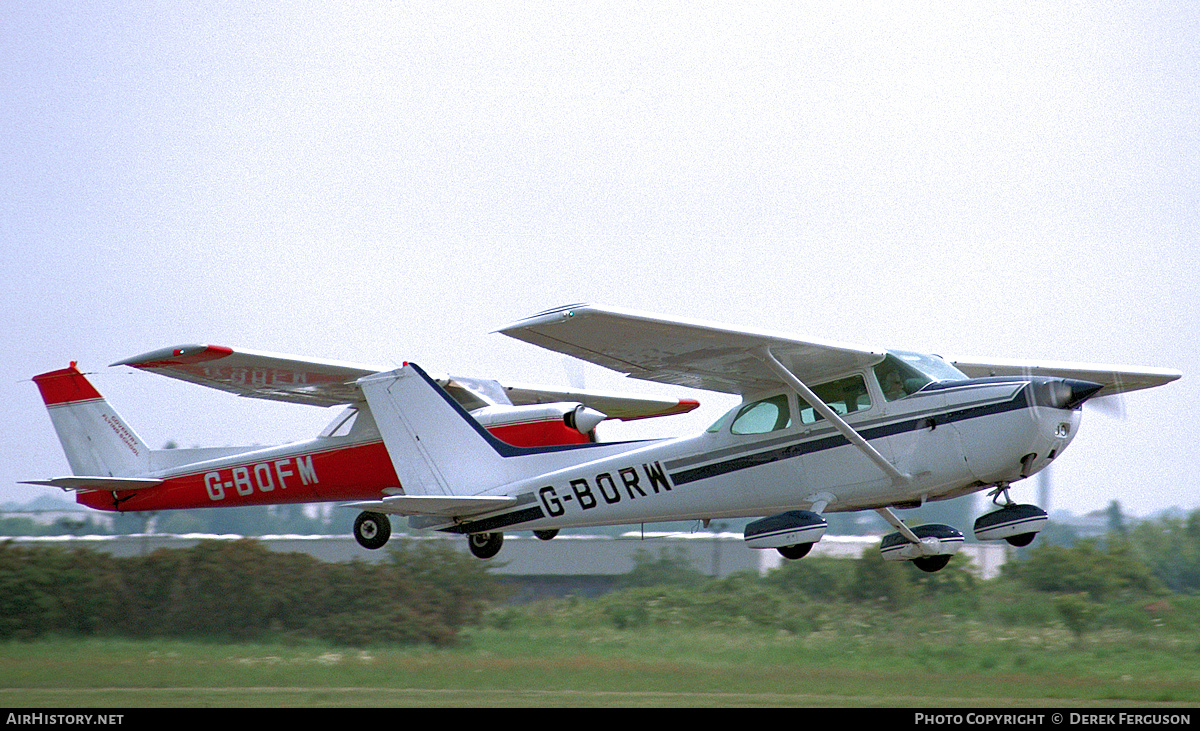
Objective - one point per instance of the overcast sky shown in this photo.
(392, 181)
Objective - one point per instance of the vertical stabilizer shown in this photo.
(97, 441)
(436, 448)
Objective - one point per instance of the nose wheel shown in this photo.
(1017, 524)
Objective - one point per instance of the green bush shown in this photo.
(669, 567)
(815, 577)
(1102, 569)
(239, 590)
(735, 601)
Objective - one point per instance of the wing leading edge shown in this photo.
(685, 352)
(1115, 378)
(257, 374)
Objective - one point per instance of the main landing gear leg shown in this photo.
(1001, 489)
(929, 547)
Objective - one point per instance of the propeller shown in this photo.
(1112, 406)
(1117, 380)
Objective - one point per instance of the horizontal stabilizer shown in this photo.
(442, 505)
(85, 483)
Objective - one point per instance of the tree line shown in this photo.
(240, 590)
(1134, 577)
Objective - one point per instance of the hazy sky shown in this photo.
(391, 181)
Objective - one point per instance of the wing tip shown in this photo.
(546, 317)
(177, 356)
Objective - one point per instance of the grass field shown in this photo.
(947, 663)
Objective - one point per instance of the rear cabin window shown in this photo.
(764, 416)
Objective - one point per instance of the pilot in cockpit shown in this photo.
(893, 385)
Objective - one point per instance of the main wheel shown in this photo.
(1022, 540)
(800, 550)
(929, 564)
(485, 545)
(545, 535)
(372, 530)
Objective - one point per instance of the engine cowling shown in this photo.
(537, 425)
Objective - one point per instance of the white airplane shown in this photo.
(822, 427)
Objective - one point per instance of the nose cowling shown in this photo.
(1064, 393)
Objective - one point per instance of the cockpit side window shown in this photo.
(901, 373)
(760, 417)
(844, 396)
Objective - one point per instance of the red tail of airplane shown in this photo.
(97, 441)
(114, 469)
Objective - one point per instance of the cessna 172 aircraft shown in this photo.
(822, 427)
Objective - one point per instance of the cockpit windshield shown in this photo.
(902, 373)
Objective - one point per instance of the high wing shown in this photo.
(685, 352)
(257, 374)
(1115, 378)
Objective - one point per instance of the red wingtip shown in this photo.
(175, 357)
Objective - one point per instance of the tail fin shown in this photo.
(97, 441)
(436, 447)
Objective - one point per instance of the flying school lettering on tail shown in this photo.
(263, 477)
(605, 488)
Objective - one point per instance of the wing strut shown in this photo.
(766, 356)
(899, 525)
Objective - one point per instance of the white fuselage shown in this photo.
(948, 441)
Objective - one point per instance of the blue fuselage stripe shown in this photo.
(1019, 401)
(797, 449)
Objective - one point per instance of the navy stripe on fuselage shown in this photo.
(788, 448)
(833, 441)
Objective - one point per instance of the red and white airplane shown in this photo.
(822, 427)
(114, 469)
